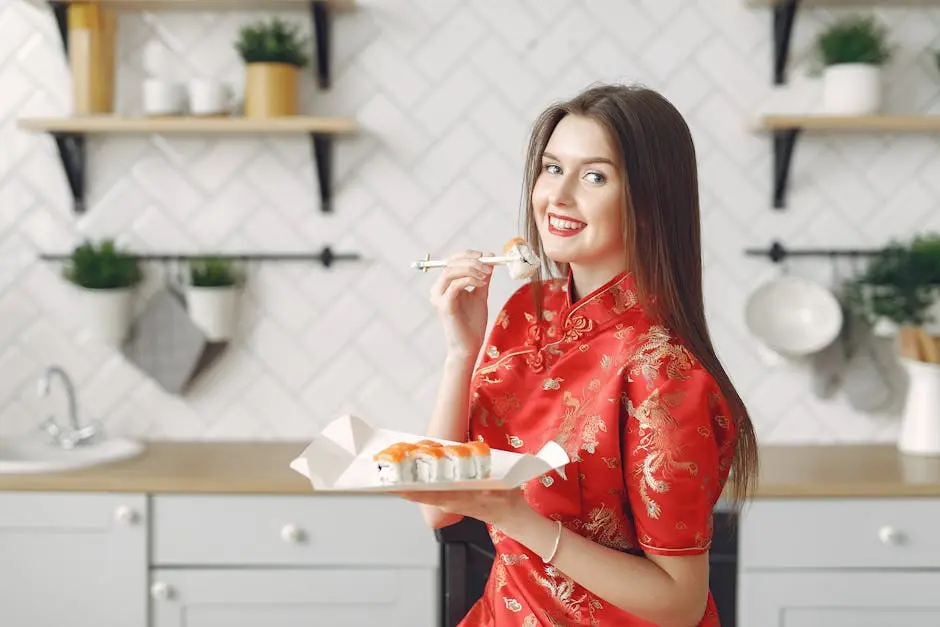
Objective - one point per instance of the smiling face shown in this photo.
(578, 201)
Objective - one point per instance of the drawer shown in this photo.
(208, 530)
(840, 533)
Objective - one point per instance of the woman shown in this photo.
(613, 361)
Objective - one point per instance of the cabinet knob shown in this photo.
(162, 591)
(890, 535)
(292, 533)
(126, 515)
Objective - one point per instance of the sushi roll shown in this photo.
(428, 443)
(395, 464)
(430, 463)
(482, 458)
(460, 462)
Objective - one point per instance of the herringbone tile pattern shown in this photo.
(445, 91)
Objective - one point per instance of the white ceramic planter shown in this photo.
(214, 310)
(920, 421)
(852, 89)
(107, 313)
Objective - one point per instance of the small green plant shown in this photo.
(857, 39)
(901, 283)
(102, 266)
(275, 41)
(213, 272)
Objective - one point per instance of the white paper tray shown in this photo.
(340, 458)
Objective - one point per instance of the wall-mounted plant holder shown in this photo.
(174, 340)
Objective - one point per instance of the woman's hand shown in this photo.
(463, 313)
(496, 507)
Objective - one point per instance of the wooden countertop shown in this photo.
(262, 468)
(183, 467)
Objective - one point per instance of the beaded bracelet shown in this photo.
(551, 555)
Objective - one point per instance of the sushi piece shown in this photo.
(430, 463)
(395, 464)
(522, 262)
(460, 462)
(482, 458)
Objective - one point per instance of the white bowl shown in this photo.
(793, 316)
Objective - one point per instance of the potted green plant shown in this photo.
(853, 51)
(901, 285)
(273, 52)
(212, 296)
(105, 277)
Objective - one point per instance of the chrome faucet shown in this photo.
(74, 434)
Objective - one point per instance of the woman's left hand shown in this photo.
(490, 506)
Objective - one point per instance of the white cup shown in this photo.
(162, 97)
(208, 97)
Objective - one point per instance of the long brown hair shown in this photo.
(661, 229)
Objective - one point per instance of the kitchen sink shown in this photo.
(32, 454)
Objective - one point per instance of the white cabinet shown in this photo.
(73, 559)
(335, 561)
(268, 597)
(135, 560)
(840, 563)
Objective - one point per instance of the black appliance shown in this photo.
(467, 557)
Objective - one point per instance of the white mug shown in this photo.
(162, 97)
(208, 97)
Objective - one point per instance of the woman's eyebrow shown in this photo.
(548, 155)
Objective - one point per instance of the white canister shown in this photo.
(852, 89)
(214, 310)
(163, 97)
(920, 420)
(208, 97)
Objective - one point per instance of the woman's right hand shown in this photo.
(463, 313)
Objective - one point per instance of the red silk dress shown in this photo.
(646, 428)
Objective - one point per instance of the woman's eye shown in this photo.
(551, 168)
(596, 177)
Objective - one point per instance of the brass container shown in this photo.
(271, 90)
(91, 39)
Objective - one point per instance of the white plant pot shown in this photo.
(920, 421)
(852, 89)
(214, 310)
(107, 313)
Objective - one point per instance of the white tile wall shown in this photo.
(445, 91)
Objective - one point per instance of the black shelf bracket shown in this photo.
(777, 252)
(72, 155)
(323, 160)
(60, 10)
(784, 143)
(784, 15)
(322, 29)
(327, 257)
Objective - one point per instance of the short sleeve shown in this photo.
(672, 463)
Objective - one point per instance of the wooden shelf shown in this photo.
(321, 12)
(847, 3)
(209, 5)
(863, 123)
(88, 125)
(69, 134)
(785, 130)
(784, 14)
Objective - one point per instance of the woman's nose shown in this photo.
(561, 195)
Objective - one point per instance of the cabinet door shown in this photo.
(289, 598)
(839, 599)
(73, 559)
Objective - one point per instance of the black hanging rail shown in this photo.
(777, 252)
(326, 256)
